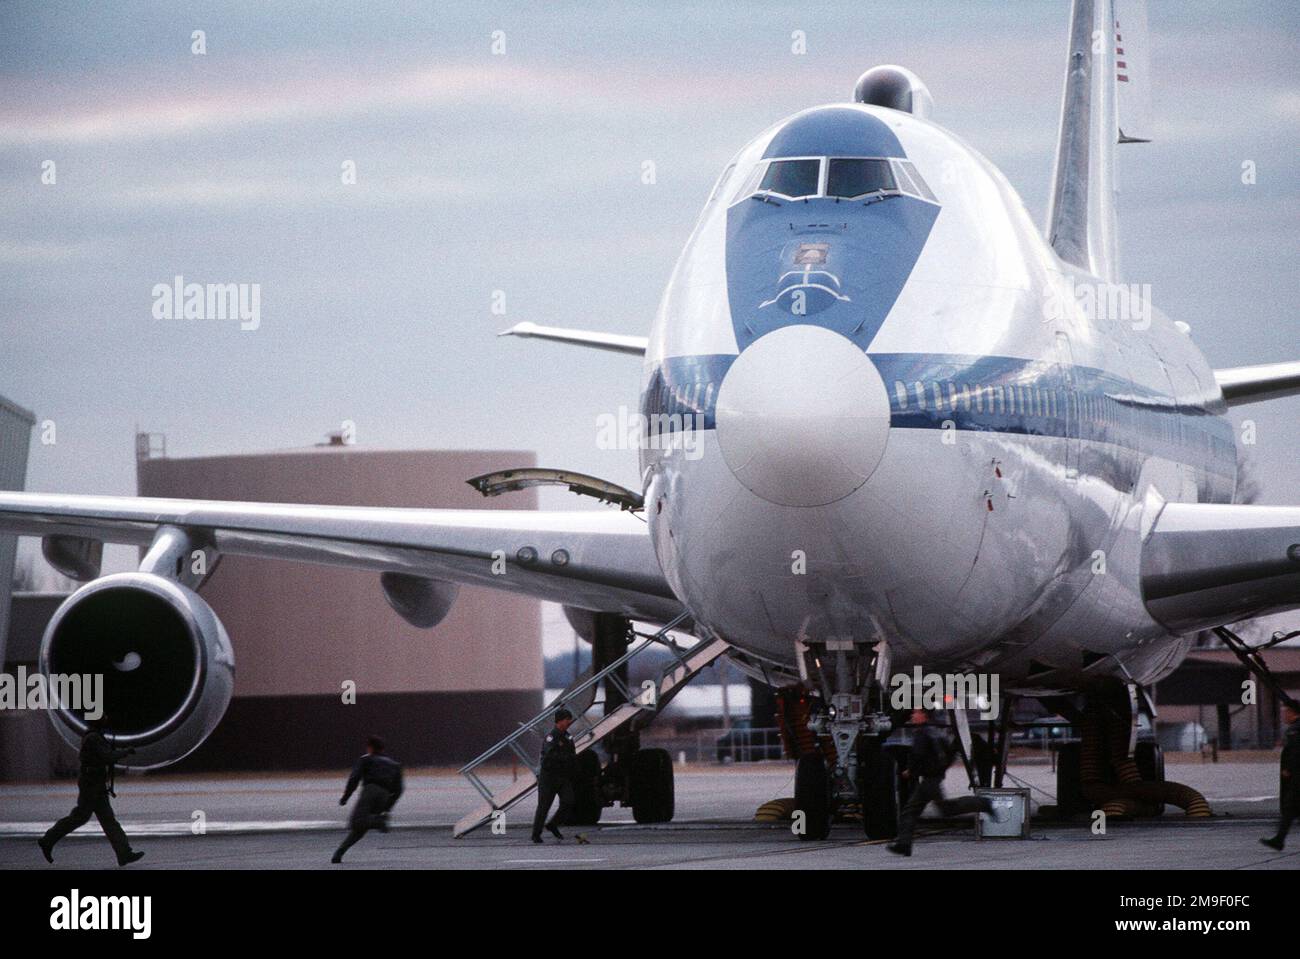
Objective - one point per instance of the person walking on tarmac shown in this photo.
(927, 763)
(559, 763)
(1289, 800)
(380, 778)
(94, 788)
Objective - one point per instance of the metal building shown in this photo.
(301, 633)
(30, 749)
(15, 439)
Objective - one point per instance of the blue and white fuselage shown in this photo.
(914, 430)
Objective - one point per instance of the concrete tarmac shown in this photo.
(295, 822)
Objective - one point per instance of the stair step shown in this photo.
(588, 732)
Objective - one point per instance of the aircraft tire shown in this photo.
(651, 786)
(879, 789)
(812, 796)
(1150, 759)
(587, 805)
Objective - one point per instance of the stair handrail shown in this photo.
(572, 691)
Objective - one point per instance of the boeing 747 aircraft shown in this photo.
(921, 432)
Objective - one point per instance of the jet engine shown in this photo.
(167, 665)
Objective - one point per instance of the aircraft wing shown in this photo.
(1252, 384)
(612, 342)
(596, 560)
(1207, 564)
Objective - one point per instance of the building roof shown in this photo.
(24, 414)
(1279, 659)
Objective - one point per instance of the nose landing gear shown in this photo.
(835, 723)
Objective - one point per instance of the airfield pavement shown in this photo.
(293, 821)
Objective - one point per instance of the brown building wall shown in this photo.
(301, 631)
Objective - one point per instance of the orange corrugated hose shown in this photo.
(1109, 777)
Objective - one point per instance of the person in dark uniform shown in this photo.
(94, 787)
(380, 779)
(555, 778)
(1289, 800)
(927, 763)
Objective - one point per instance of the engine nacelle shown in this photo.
(167, 664)
(421, 601)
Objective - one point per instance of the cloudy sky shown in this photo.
(521, 172)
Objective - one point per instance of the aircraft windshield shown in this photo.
(792, 178)
(851, 178)
(869, 179)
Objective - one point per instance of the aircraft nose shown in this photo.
(802, 417)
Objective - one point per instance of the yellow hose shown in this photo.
(775, 810)
(1109, 778)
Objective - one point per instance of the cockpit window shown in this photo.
(857, 177)
(723, 182)
(867, 179)
(922, 188)
(792, 178)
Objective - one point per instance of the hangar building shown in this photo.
(301, 632)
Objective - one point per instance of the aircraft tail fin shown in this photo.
(1104, 104)
(1132, 71)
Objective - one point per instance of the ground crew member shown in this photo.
(927, 763)
(380, 778)
(94, 787)
(559, 763)
(1289, 800)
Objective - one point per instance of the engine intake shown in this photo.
(167, 664)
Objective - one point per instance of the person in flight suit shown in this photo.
(559, 763)
(380, 778)
(1289, 800)
(94, 787)
(927, 763)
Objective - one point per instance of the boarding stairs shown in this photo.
(589, 727)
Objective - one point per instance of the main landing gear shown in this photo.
(1109, 770)
(633, 776)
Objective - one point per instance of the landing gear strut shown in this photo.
(636, 777)
(1109, 770)
(848, 762)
